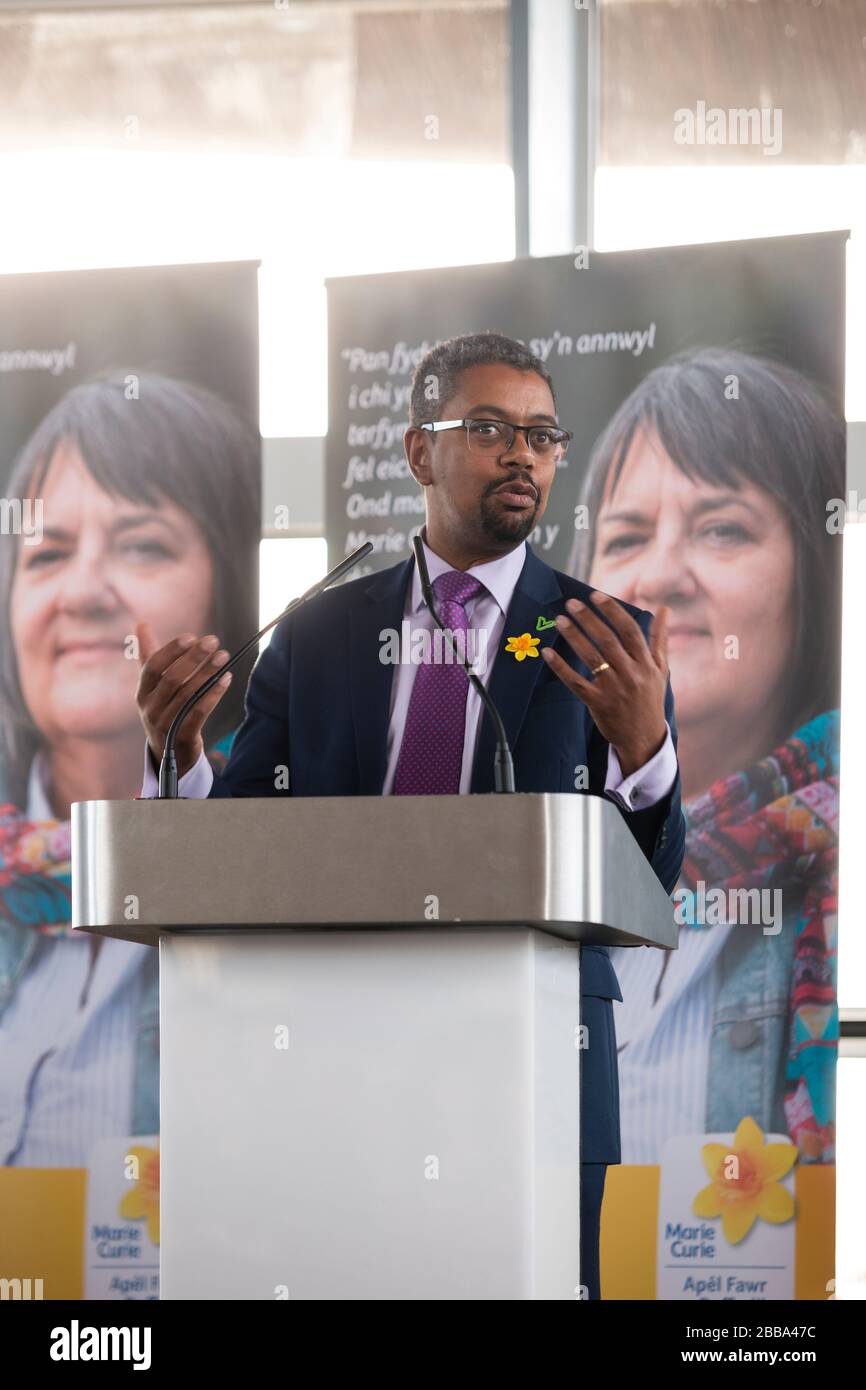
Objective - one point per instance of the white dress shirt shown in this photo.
(485, 613)
(67, 1040)
(663, 1043)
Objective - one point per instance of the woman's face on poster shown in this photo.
(103, 564)
(723, 559)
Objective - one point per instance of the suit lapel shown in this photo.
(370, 679)
(512, 682)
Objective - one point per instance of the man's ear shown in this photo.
(418, 445)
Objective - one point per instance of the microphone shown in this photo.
(168, 766)
(503, 766)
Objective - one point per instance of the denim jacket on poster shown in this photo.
(751, 1028)
(17, 946)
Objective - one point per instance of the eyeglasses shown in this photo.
(497, 436)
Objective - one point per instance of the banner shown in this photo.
(131, 471)
(704, 388)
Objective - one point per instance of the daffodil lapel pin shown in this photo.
(523, 646)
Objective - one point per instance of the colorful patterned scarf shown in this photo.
(776, 826)
(36, 866)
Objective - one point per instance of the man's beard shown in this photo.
(506, 526)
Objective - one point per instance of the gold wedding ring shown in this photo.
(605, 666)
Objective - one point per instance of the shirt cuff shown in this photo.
(646, 786)
(196, 783)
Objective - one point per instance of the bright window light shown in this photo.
(287, 568)
(656, 206)
(304, 219)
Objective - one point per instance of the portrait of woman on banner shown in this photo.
(708, 492)
(149, 491)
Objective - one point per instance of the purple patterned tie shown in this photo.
(431, 754)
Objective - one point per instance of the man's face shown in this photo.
(488, 502)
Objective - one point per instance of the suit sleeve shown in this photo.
(259, 762)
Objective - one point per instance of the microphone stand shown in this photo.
(168, 767)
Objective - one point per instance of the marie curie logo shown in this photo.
(745, 1182)
(122, 1256)
(141, 1202)
(727, 1215)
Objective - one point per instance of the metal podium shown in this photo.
(370, 1031)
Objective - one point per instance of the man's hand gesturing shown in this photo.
(627, 698)
(168, 677)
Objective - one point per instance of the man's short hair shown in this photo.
(436, 378)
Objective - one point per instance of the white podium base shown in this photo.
(370, 1115)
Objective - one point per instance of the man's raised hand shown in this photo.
(627, 698)
(168, 677)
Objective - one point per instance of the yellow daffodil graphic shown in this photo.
(142, 1201)
(745, 1182)
(523, 646)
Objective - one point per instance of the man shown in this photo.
(594, 713)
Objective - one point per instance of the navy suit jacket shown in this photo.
(318, 702)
